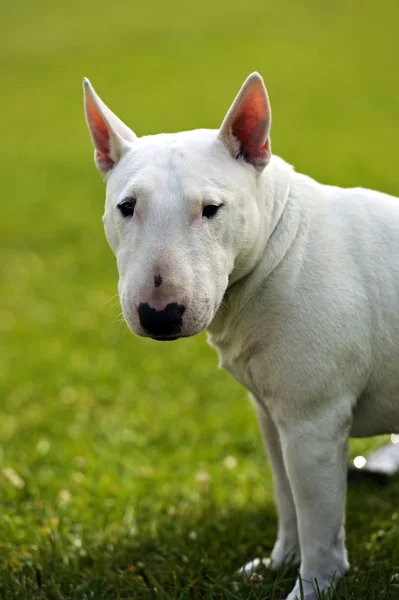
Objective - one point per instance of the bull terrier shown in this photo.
(296, 282)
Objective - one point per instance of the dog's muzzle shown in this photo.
(163, 324)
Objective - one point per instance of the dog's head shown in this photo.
(181, 213)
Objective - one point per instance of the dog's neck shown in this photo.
(273, 190)
(277, 230)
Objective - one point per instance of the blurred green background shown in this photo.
(126, 463)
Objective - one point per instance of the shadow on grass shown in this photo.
(195, 552)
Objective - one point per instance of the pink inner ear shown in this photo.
(99, 132)
(250, 125)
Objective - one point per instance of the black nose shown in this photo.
(161, 324)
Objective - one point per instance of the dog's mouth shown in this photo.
(167, 338)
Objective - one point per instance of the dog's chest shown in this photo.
(236, 361)
(243, 349)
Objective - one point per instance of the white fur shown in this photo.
(309, 323)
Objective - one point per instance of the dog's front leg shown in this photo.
(315, 456)
(286, 549)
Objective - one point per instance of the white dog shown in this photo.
(297, 283)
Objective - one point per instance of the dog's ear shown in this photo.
(246, 127)
(111, 137)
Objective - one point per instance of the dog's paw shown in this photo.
(282, 555)
(285, 554)
(250, 567)
(314, 589)
(308, 590)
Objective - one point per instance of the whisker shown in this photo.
(119, 318)
(110, 299)
(113, 306)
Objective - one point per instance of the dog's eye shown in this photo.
(126, 207)
(209, 211)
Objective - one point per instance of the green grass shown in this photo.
(117, 446)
